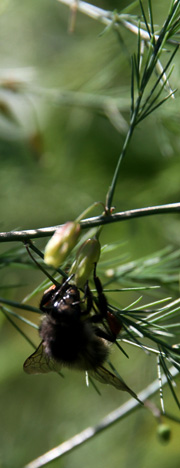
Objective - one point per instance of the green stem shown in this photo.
(112, 187)
(110, 193)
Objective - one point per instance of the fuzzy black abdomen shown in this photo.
(63, 342)
(74, 345)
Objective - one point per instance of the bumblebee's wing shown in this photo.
(40, 363)
(107, 377)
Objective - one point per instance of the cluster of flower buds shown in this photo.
(61, 244)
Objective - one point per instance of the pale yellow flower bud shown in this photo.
(87, 257)
(61, 244)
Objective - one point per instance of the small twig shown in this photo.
(96, 102)
(92, 222)
(105, 423)
(104, 16)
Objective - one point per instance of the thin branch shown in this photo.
(106, 17)
(78, 98)
(92, 222)
(105, 423)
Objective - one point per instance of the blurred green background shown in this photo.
(58, 149)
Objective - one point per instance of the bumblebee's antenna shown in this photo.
(29, 246)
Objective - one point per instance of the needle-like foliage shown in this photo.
(150, 319)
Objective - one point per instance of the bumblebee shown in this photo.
(74, 336)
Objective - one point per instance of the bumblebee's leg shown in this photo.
(89, 299)
(88, 296)
(104, 334)
(102, 301)
(113, 323)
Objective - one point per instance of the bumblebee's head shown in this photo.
(63, 312)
